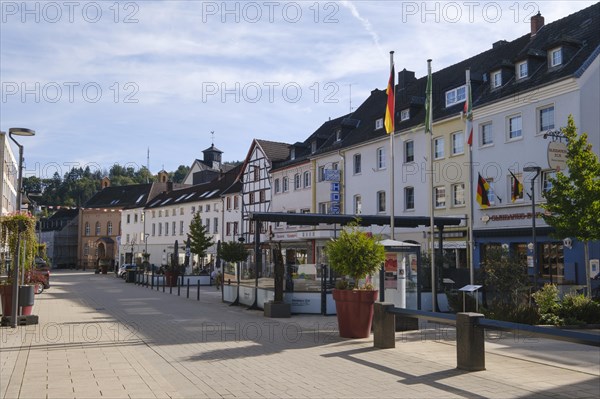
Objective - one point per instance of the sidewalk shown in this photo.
(100, 337)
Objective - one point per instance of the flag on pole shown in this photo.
(517, 188)
(389, 109)
(482, 192)
(428, 101)
(468, 111)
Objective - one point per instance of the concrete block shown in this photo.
(277, 310)
(384, 326)
(470, 342)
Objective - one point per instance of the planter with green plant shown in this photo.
(355, 254)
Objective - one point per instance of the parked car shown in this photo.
(40, 275)
(123, 269)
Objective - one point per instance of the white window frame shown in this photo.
(357, 204)
(436, 154)
(297, 182)
(458, 193)
(542, 129)
(276, 184)
(357, 164)
(381, 201)
(491, 191)
(522, 73)
(510, 130)
(458, 143)
(338, 135)
(555, 57)
(409, 144)
(405, 114)
(546, 185)
(519, 176)
(285, 184)
(379, 124)
(321, 173)
(496, 79)
(482, 133)
(380, 158)
(456, 95)
(409, 193)
(307, 179)
(440, 197)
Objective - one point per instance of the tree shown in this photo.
(573, 201)
(233, 251)
(200, 238)
(180, 173)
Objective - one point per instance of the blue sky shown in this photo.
(103, 81)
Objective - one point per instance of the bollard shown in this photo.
(178, 288)
(170, 289)
(163, 281)
(470, 343)
(384, 326)
(188, 289)
(198, 293)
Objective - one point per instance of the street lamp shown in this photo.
(18, 131)
(537, 170)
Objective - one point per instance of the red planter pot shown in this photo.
(354, 312)
(6, 294)
(171, 279)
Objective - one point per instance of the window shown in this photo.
(166, 228)
(285, 184)
(555, 57)
(357, 164)
(228, 228)
(455, 96)
(127, 239)
(181, 228)
(307, 179)
(458, 194)
(166, 212)
(338, 135)
(207, 208)
(293, 153)
(552, 259)
(409, 198)
(87, 229)
(153, 229)
(216, 225)
(135, 218)
(109, 230)
(86, 249)
(487, 136)
(277, 187)
(438, 148)
(522, 70)
(405, 114)
(97, 228)
(236, 203)
(153, 214)
(181, 211)
(491, 191)
(262, 196)
(546, 118)
(228, 201)
(409, 151)
(160, 229)
(235, 228)
(207, 224)
(297, 181)
(496, 79)
(379, 124)
(321, 173)
(256, 171)
(251, 198)
(357, 205)
(458, 143)
(514, 127)
(546, 184)
(381, 201)
(128, 218)
(323, 208)
(380, 158)
(313, 147)
(440, 197)
(160, 213)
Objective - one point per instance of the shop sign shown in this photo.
(557, 155)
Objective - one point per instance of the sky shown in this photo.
(105, 82)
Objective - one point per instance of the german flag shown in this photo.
(389, 109)
(482, 192)
(517, 188)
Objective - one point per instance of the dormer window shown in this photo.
(496, 79)
(293, 154)
(405, 114)
(379, 124)
(454, 96)
(313, 147)
(338, 135)
(555, 57)
(522, 71)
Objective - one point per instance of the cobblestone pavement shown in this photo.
(99, 337)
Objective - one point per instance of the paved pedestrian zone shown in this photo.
(99, 337)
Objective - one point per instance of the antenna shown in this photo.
(212, 133)
(350, 96)
(148, 165)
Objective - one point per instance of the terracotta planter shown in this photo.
(26, 292)
(6, 294)
(171, 279)
(354, 312)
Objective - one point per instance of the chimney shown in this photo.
(537, 21)
(105, 182)
(405, 78)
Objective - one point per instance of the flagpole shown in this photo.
(392, 197)
(471, 196)
(429, 129)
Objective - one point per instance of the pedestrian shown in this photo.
(218, 280)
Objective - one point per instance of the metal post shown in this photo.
(537, 170)
(188, 289)
(198, 293)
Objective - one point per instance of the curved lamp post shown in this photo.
(18, 131)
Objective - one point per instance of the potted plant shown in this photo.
(17, 232)
(355, 254)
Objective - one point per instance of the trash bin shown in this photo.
(130, 276)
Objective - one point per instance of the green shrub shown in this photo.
(546, 299)
(523, 313)
(578, 309)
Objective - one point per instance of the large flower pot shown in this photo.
(104, 269)
(171, 279)
(6, 295)
(26, 298)
(354, 312)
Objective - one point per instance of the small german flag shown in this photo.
(482, 192)
(517, 188)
